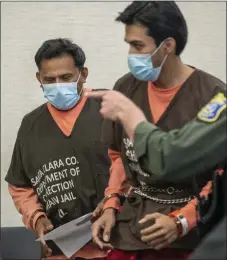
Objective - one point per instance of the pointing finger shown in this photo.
(96, 94)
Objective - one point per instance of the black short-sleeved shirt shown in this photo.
(68, 173)
(148, 194)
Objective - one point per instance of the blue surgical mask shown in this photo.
(63, 96)
(141, 66)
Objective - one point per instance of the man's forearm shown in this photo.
(189, 211)
(117, 177)
(27, 204)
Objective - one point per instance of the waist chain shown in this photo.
(162, 201)
(169, 190)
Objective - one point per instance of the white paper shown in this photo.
(75, 241)
(70, 237)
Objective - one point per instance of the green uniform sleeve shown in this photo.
(182, 153)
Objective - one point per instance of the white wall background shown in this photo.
(25, 25)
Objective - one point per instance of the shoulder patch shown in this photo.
(211, 112)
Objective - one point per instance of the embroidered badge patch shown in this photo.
(211, 112)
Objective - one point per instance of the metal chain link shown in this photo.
(169, 190)
(163, 201)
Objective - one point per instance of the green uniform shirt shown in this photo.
(178, 154)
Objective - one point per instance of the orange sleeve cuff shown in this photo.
(116, 181)
(190, 211)
(37, 216)
(26, 202)
(174, 213)
(112, 203)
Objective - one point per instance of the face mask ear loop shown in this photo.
(165, 56)
(82, 86)
(78, 78)
(81, 91)
(164, 60)
(157, 49)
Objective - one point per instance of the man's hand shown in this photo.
(162, 233)
(116, 106)
(43, 226)
(101, 229)
(97, 212)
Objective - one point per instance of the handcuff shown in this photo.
(33, 217)
(182, 225)
(112, 195)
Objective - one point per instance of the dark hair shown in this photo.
(58, 47)
(162, 18)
